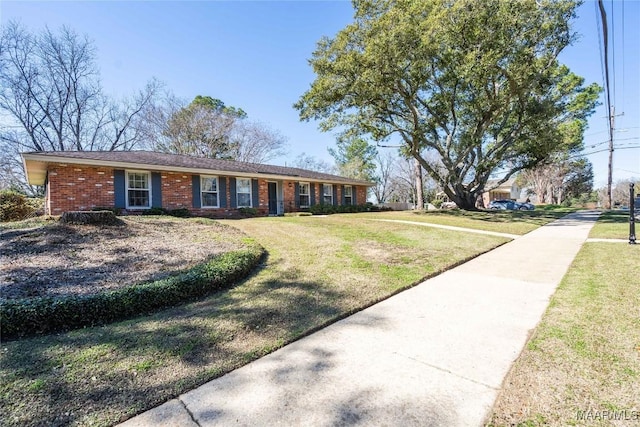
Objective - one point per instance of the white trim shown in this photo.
(126, 189)
(344, 196)
(217, 192)
(250, 205)
(324, 187)
(308, 194)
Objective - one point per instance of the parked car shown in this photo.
(502, 205)
(525, 206)
(510, 205)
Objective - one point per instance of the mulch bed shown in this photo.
(59, 260)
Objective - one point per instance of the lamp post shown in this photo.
(632, 219)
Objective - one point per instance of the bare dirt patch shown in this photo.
(59, 260)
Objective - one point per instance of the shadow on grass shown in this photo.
(111, 372)
(537, 217)
(614, 217)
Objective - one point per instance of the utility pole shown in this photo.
(612, 120)
(610, 176)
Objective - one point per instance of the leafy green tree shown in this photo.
(559, 178)
(215, 104)
(477, 83)
(203, 128)
(355, 158)
(578, 181)
(207, 127)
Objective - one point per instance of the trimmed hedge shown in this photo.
(20, 318)
(179, 213)
(323, 209)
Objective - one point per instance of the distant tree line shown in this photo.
(51, 99)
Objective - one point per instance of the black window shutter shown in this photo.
(119, 189)
(232, 191)
(344, 197)
(255, 202)
(296, 192)
(322, 194)
(312, 190)
(156, 189)
(222, 192)
(195, 186)
(335, 195)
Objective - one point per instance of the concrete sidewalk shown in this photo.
(434, 355)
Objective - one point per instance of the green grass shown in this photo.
(512, 222)
(27, 223)
(585, 353)
(318, 270)
(613, 225)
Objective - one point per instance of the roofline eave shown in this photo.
(46, 159)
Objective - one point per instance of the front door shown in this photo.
(273, 198)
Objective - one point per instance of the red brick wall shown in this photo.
(263, 197)
(77, 187)
(177, 190)
(289, 193)
(361, 194)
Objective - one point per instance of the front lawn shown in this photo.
(511, 222)
(613, 225)
(318, 270)
(582, 363)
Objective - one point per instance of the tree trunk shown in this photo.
(90, 217)
(464, 199)
(419, 187)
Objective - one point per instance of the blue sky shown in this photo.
(254, 55)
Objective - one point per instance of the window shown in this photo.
(209, 191)
(304, 194)
(348, 195)
(328, 194)
(243, 189)
(138, 190)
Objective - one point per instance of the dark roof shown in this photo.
(150, 158)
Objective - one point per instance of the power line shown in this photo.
(623, 85)
(605, 35)
(602, 151)
(613, 53)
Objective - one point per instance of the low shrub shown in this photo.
(248, 211)
(116, 211)
(16, 207)
(154, 211)
(19, 318)
(323, 209)
(179, 212)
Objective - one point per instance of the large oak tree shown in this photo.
(478, 83)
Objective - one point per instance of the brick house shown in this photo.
(138, 180)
